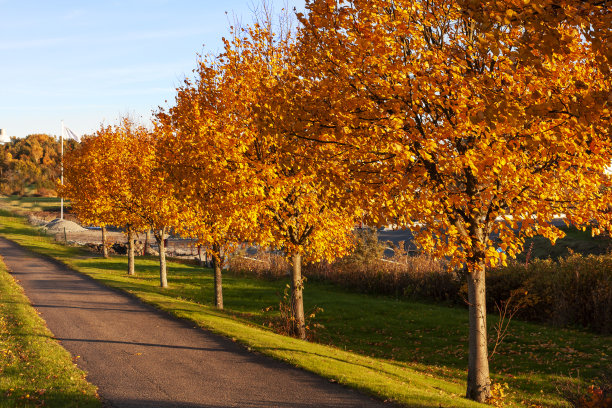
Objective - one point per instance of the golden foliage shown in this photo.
(443, 124)
(240, 175)
(114, 178)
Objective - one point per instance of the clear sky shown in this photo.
(90, 61)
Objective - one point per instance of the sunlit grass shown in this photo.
(414, 353)
(575, 241)
(22, 204)
(34, 369)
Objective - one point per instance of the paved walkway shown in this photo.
(140, 357)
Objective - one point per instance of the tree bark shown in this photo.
(145, 250)
(297, 299)
(104, 247)
(163, 276)
(217, 265)
(130, 248)
(479, 382)
(200, 260)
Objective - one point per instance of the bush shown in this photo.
(574, 291)
(596, 395)
(365, 270)
(263, 264)
(416, 277)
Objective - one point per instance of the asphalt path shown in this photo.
(141, 357)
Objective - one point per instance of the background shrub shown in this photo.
(574, 291)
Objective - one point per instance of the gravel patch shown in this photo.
(58, 225)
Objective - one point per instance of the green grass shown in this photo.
(22, 204)
(34, 369)
(575, 240)
(410, 352)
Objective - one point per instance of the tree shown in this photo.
(443, 124)
(299, 209)
(200, 150)
(82, 187)
(113, 178)
(91, 176)
(139, 189)
(241, 179)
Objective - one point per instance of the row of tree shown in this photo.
(458, 119)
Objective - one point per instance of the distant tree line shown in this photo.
(31, 165)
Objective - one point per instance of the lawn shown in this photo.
(21, 204)
(575, 241)
(413, 353)
(34, 369)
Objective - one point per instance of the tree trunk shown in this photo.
(130, 245)
(297, 300)
(218, 264)
(104, 247)
(479, 382)
(163, 276)
(145, 250)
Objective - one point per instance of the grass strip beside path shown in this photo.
(34, 369)
(375, 376)
(410, 352)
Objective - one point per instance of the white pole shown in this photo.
(62, 170)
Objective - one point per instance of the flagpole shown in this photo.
(62, 171)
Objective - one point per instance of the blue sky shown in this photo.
(88, 62)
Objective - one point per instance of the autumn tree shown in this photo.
(113, 154)
(153, 198)
(139, 188)
(31, 161)
(299, 209)
(114, 178)
(240, 178)
(82, 186)
(200, 151)
(93, 181)
(441, 122)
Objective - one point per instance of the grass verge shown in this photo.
(35, 370)
(409, 352)
(19, 204)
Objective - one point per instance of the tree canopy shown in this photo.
(458, 128)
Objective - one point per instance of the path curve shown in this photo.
(141, 357)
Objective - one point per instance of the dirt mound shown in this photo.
(57, 226)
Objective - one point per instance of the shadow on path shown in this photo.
(141, 357)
